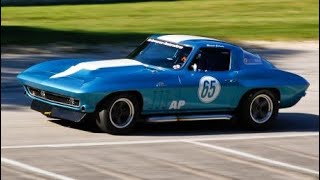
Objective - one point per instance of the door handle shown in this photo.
(161, 84)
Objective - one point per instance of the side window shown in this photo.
(211, 59)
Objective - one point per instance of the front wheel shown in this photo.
(259, 110)
(119, 114)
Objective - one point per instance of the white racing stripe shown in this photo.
(180, 38)
(34, 169)
(94, 65)
(254, 157)
(217, 138)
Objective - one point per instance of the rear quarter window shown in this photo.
(251, 59)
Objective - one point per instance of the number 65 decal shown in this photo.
(209, 89)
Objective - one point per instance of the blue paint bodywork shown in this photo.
(159, 87)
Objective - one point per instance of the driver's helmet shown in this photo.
(184, 58)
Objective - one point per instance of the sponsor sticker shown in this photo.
(165, 43)
(215, 45)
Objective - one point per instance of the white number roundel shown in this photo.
(209, 89)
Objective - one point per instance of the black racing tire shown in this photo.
(119, 114)
(258, 110)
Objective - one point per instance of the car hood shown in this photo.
(74, 73)
(88, 69)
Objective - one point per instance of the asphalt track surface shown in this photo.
(34, 147)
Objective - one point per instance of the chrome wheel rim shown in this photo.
(121, 113)
(261, 108)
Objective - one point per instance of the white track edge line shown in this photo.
(247, 137)
(34, 169)
(254, 157)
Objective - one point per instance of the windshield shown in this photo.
(161, 53)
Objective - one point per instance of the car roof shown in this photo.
(190, 40)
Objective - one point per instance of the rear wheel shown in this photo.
(119, 114)
(259, 110)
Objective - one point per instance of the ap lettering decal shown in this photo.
(209, 89)
(177, 104)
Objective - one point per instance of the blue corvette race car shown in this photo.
(166, 78)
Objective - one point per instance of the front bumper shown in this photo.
(85, 102)
(57, 112)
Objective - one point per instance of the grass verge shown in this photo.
(104, 23)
